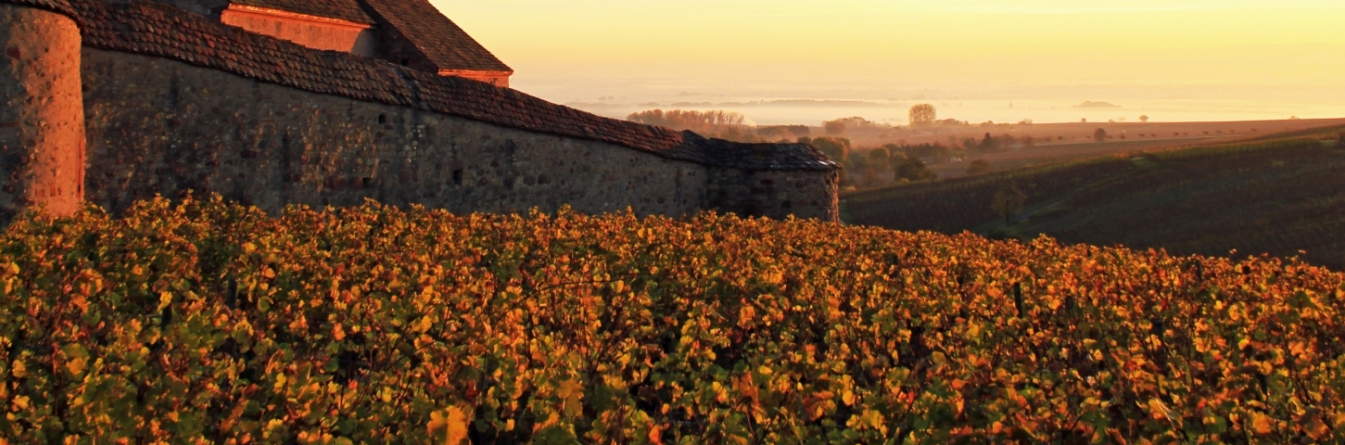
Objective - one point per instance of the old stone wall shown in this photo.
(176, 102)
(775, 193)
(157, 126)
(41, 116)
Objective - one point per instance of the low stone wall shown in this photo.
(157, 126)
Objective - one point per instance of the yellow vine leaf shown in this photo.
(654, 435)
(1260, 423)
(1158, 410)
(76, 357)
(450, 423)
(572, 393)
(165, 298)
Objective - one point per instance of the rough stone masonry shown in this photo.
(174, 102)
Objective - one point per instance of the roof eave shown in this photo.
(271, 12)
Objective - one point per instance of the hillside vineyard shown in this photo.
(125, 101)
(216, 323)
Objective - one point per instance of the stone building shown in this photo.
(329, 102)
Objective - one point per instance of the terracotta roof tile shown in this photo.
(142, 29)
(441, 41)
(348, 10)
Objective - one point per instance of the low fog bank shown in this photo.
(767, 103)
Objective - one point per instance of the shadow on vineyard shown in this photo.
(212, 322)
(1275, 194)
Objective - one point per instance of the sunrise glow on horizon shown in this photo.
(1270, 46)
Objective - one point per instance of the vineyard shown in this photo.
(209, 322)
(1273, 195)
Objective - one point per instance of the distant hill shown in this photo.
(1275, 194)
(1091, 104)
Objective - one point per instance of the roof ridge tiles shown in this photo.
(59, 6)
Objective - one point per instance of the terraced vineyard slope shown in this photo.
(1276, 195)
(213, 323)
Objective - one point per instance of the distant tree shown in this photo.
(977, 167)
(914, 170)
(1009, 202)
(935, 153)
(922, 114)
(784, 131)
(1100, 135)
(856, 161)
(1007, 140)
(1028, 142)
(834, 128)
(1144, 118)
(774, 132)
(880, 157)
(1083, 121)
(989, 144)
(856, 123)
(970, 144)
(712, 123)
(836, 149)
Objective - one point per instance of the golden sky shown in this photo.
(1074, 41)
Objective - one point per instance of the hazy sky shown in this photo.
(1264, 45)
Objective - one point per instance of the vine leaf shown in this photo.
(450, 423)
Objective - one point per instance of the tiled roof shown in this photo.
(169, 33)
(441, 41)
(60, 6)
(347, 10)
(770, 156)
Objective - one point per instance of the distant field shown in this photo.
(1065, 142)
(1057, 153)
(1276, 194)
(1077, 132)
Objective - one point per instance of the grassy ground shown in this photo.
(1270, 194)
